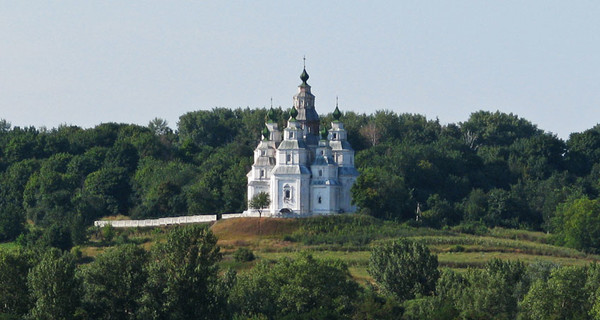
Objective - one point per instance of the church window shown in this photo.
(335, 136)
(320, 173)
(287, 193)
(322, 152)
(262, 173)
(263, 152)
(319, 199)
(288, 158)
(291, 135)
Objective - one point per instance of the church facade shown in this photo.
(305, 171)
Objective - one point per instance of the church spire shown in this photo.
(304, 103)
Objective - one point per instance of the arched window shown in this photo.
(320, 173)
(319, 199)
(288, 158)
(287, 193)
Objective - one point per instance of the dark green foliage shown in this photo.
(404, 269)
(12, 218)
(577, 224)
(563, 296)
(303, 288)
(111, 187)
(382, 195)
(183, 278)
(243, 255)
(14, 294)
(55, 290)
(494, 169)
(114, 283)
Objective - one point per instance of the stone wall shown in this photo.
(165, 221)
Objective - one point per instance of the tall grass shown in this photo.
(354, 230)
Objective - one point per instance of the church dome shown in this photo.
(293, 113)
(304, 76)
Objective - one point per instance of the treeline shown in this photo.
(494, 169)
(180, 279)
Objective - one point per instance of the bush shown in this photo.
(471, 227)
(243, 255)
(404, 269)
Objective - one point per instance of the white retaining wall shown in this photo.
(165, 221)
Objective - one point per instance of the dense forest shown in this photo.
(493, 170)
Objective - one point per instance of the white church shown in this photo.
(305, 171)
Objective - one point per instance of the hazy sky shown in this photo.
(87, 62)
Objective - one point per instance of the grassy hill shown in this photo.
(350, 237)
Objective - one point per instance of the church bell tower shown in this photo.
(304, 102)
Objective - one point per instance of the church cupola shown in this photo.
(293, 130)
(337, 132)
(304, 102)
(271, 126)
(304, 77)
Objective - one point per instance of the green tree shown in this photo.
(577, 224)
(12, 220)
(55, 289)
(491, 293)
(381, 194)
(301, 288)
(404, 269)
(563, 296)
(159, 127)
(183, 280)
(260, 201)
(111, 186)
(114, 283)
(14, 295)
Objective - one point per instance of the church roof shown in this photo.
(323, 161)
(291, 169)
(340, 145)
(265, 161)
(292, 144)
(328, 182)
(347, 171)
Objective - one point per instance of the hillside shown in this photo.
(349, 238)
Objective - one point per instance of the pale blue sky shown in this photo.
(87, 62)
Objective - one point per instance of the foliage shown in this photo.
(243, 255)
(183, 278)
(114, 283)
(260, 201)
(55, 290)
(577, 224)
(295, 289)
(404, 269)
(561, 297)
(14, 296)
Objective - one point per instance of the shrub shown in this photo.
(404, 269)
(243, 255)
